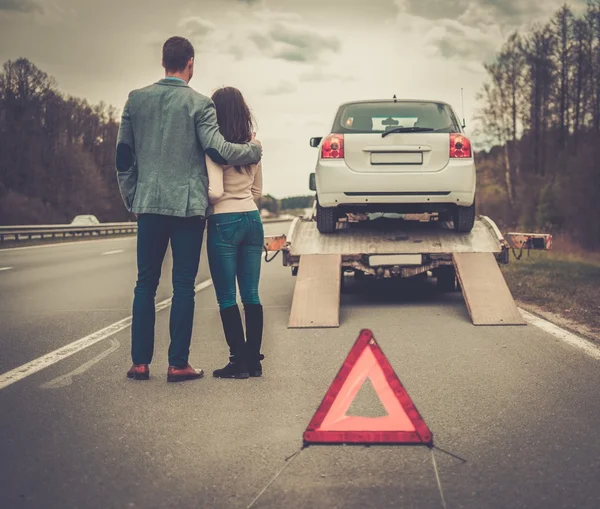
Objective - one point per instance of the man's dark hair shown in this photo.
(177, 52)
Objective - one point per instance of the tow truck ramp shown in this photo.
(396, 248)
(485, 291)
(317, 293)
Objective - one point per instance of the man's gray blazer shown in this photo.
(166, 129)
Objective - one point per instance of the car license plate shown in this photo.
(396, 157)
(399, 259)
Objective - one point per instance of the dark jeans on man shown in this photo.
(154, 233)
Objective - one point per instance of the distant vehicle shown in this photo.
(85, 220)
(395, 156)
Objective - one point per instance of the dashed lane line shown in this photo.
(51, 358)
(65, 380)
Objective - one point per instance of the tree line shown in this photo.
(540, 111)
(56, 152)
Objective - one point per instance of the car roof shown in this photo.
(370, 101)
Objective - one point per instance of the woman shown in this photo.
(235, 240)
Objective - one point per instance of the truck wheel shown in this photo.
(464, 218)
(326, 219)
(446, 279)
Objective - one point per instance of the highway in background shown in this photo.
(517, 408)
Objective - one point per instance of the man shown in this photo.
(166, 130)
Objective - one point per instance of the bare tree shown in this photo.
(540, 110)
(562, 24)
(56, 154)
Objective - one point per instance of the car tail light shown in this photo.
(333, 147)
(460, 146)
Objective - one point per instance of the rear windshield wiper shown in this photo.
(407, 130)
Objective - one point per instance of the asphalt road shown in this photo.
(519, 407)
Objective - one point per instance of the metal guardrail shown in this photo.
(50, 231)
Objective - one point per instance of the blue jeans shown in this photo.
(154, 233)
(235, 246)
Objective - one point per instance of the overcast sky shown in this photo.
(294, 60)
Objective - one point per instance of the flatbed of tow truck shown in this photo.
(393, 247)
(394, 236)
(385, 248)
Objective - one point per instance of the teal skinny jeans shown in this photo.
(235, 246)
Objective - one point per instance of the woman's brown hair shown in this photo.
(235, 120)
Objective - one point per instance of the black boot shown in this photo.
(254, 332)
(234, 334)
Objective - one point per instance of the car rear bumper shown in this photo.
(406, 204)
(338, 185)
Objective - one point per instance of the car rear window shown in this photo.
(378, 117)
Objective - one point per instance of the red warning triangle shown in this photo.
(402, 425)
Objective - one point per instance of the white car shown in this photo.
(85, 220)
(398, 156)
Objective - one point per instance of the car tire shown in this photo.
(326, 219)
(464, 218)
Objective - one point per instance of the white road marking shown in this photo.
(5, 268)
(51, 358)
(68, 244)
(65, 380)
(568, 337)
(116, 251)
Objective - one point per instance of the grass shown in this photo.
(565, 282)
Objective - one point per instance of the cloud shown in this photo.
(237, 51)
(433, 9)
(264, 33)
(319, 74)
(20, 6)
(197, 27)
(283, 87)
(262, 42)
(474, 12)
(454, 40)
(462, 30)
(470, 29)
(300, 43)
